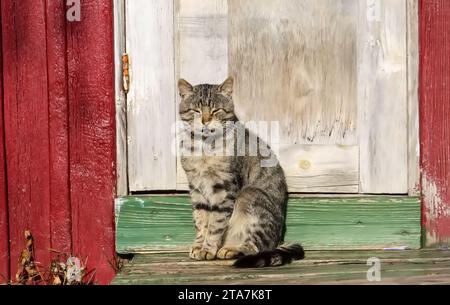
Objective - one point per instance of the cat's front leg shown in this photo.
(220, 210)
(211, 217)
(201, 218)
(211, 226)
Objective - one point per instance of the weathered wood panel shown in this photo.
(26, 115)
(295, 62)
(318, 267)
(152, 223)
(434, 119)
(382, 96)
(4, 227)
(121, 102)
(330, 79)
(58, 111)
(60, 211)
(413, 99)
(202, 34)
(151, 100)
(92, 141)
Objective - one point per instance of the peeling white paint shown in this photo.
(140, 201)
(435, 207)
(118, 203)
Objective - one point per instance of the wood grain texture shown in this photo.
(4, 227)
(58, 122)
(92, 141)
(382, 96)
(121, 101)
(295, 62)
(318, 267)
(202, 34)
(413, 98)
(26, 116)
(320, 168)
(151, 100)
(152, 223)
(434, 119)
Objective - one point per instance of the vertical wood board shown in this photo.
(151, 100)
(434, 120)
(92, 135)
(4, 226)
(382, 96)
(202, 32)
(121, 102)
(413, 99)
(25, 82)
(58, 103)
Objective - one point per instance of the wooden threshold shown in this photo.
(319, 267)
(164, 223)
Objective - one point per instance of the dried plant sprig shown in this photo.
(64, 269)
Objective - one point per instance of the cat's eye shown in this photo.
(218, 111)
(194, 110)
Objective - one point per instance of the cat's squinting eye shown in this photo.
(218, 110)
(194, 110)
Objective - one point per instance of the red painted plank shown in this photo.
(434, 118)
(92, 134)
(4, 234)
(26, 125)
(60, 216)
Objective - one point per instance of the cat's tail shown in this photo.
(282, 255)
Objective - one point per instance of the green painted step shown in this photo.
(151, 223)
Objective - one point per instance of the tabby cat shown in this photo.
(239, 205)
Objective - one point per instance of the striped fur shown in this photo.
(239, 206)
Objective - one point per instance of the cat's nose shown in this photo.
(206, 118)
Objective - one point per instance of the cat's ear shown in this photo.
(227, 86)
(184, 88)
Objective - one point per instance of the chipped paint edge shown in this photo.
(434, 209)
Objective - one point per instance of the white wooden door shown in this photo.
(333, 73)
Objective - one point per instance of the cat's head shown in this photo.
(211, 105)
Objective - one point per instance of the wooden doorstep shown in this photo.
(319, 267)
(152, 223)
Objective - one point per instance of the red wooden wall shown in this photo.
(435, 119)
(58, 138)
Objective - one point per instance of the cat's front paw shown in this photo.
(200, 254)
